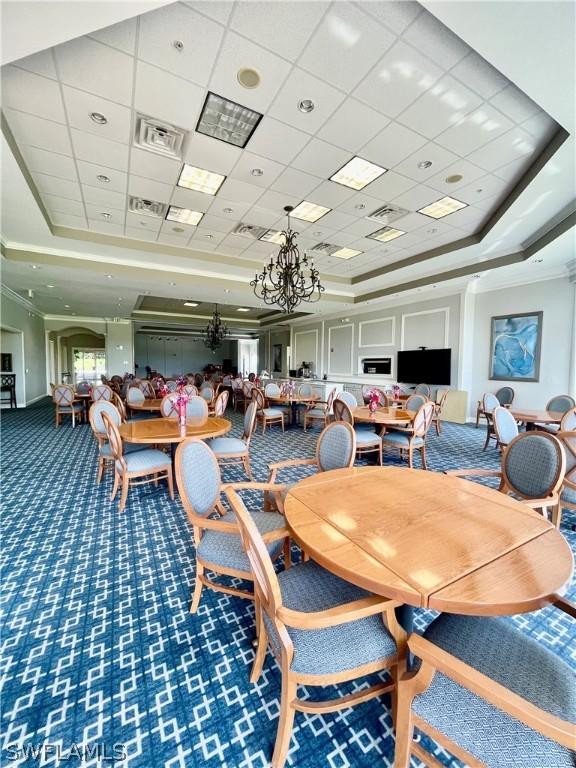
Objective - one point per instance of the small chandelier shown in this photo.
(216, 331)
(291, 279)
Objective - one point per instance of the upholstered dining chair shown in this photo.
(207, 392)
(489, 403)
(83, 387)
(505, 426)
(216, 531)
(439, 403)
(65, 405)
(568, 490)
(220, 404)
(422, 389)
(190, 389)
(101, 392)
(119, 403)
(267, 416)
(367, 441)
(196, 408)
(560, 404)
(147, 389)
(171, 385)
(320, 411)
(413, 438)
(335, 449)
(489, 694)
(234, 450)
(272, 389)
(348, 398)
(134, 396)
(99, 431)
(568, 423)
(247, 389)
(505, 397)
(532, 470)
(168, 408)
(135, 468)
(237, 393)
(321, 629)
(415, 402)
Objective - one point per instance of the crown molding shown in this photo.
(10, 294)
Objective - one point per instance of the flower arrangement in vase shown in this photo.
(374, 401)
(396, 392)
(180, 403)
(163, 390)
(181, 381)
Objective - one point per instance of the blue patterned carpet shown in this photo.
(98, 646)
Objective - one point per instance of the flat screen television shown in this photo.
(429, 366)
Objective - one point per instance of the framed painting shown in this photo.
(515, 343)
(276, 358)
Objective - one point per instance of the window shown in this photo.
(248, 356)
(89, 365)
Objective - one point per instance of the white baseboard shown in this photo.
(34, 400)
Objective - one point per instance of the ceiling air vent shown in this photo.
(250, 231)
(387, 214)
(327, 248)
(158, 137)
(148, 207)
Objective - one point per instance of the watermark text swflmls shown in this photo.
(73, 753)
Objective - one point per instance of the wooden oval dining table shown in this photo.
(157, 431)
(151, 404)
(383, 416)
(429, 540)
(293, 401)
(531, 418)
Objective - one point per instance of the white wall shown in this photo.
(31, 378)
(555, 298)
(119, 348)
(179, 355)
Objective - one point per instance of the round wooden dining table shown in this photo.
(293, 401)
(531, 418)
(156, 431)
(429, 540)
(152, 404)
(383, 416)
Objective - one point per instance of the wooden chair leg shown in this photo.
(487, 437)
(282, 423)
(287, 553)
(124, 494)
(404, 727)
(286, 721)
(556, 517)
(260, 656)
(100, 472)
(410, 457)
(423, 454)
(380, 454)
(197, 588)
(170, 480)
(247, 467)
(116, 484)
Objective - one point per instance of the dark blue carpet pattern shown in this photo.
(100, 656)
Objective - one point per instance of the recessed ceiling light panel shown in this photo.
(307, 211)
(184, 215)
(227, 121)
(386, 234)
(357, 173)
(200, 180)
(443, 207)
(155, 136)
(274, 236)
(243, 309)
(346, 253)
(190, 303)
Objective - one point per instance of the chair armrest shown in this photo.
(291, 463)
(274, 487)
(341, 614)
(494, 693)
(473, 472)
(550, 501)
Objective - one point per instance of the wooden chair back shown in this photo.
(342, 411)
(199, 481)
(258, 398)
(330, 400)
(63, 395)
(505, 395)
(171, 385)
(305, 390)
(533, 466)
(96, 417)
(489, 402)
(422, 389)
(348, 398)
(249, 422)
(568, 423)
(568, 441)
(101, 392)
(114, 440)
(119, 403)
(336, 446)
(221, 403)
(505, 426)
(272, 389)
(415, 402)
(207, 392)
(135, 396)
(247, 387)
(168, 408)
(147, 389)
(560, 403)
(190, 389)
(441, 395)
(423, 419)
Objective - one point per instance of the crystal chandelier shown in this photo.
(216, 331)
(291, 279)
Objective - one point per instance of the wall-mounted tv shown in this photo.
(429, 366)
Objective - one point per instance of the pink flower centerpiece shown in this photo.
(163, 391)
(180, 403)
(181, 381)
(374, 401)
(396, 392)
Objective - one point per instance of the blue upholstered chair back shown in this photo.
(207, 393)
(83, 387)
(168, 407)
(197, 476)
(423, 419)
(196, 408)
(305, 390)
(249, 421)
(505, 395)
(135, 396)
(533, 464)
(336, 447)
(190, 390)
(272, 390)
(348, 398)
(221, 403)
(568, 423)
(489, 402)
(342, 411)
(103, 406)
(415, 402)
(63, 395)
(504, 425)
(171, 385)
(101, 392)
(560, 404)
(422, 389)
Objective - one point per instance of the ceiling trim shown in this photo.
(10, 294)
(207, 316)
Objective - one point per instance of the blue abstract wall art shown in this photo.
(515, 347)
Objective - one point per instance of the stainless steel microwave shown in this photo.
(376, 366)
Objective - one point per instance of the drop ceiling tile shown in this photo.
(437, 155)
(89, 173)
(485, 186)
(321, 159)
(41, 63)
(512, 171)
(68, 220)
(172, 228)
(103, 199)
(167, 97)
(216, 224)
(149, 189)
(95, 211)
(352, 125)
(488, 204)
(32, 93)
(440, 107)
(301, 85)
(446, 238)
(237, 53)
(297, 183)
(515, 104)
(363, 227)
(121, 36)
(114, 230)
(391, 146)
(153, 166)
(42, 161)
(387, 187)
(478, 74)
(146, 223)
(234, 244)
(364, 244)
(220, 204)
(200, 36)
(475, 130)
(140, 234)
(95, 149)
(395, 14)
(189, 198)
(510, 146)
(275, 202)
(79, 106)
(351, 205)
(97, 68)
(436, 41)
(467, 170)
(467, 219)
(56, 204)
(277, 141)
(332, 195)
(335, 220)
(345, 46)
(51, 185)
(399, 78)
(219, 11)
(541, 126)
(211, 154)
(37, 132)
(240, 192)
(261, 22)
(179, 242)
(408, 223)
(248, 161)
